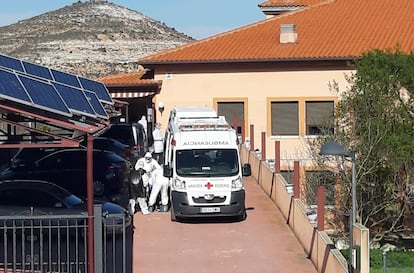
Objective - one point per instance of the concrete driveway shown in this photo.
(263, 243)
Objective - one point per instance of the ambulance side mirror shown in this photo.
(167, 171)
(246, 170)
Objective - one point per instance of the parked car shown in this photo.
(130, 134)
(29, 155)
(67, 168)
(35, 197)
(26, 155)
(109, 144)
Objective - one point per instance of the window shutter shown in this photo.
(285, 118)
(319, 114)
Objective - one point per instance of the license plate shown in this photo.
(209, 210)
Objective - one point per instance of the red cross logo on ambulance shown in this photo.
(208, 185)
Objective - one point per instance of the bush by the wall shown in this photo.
(396, 261)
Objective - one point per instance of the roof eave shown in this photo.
(281, 8)
(132, 85)
(232, 61)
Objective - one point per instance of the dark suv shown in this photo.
(130, 134)
(67, 168)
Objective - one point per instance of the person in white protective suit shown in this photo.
(144, 123)
(150, 164)
(138, 190)
(158, 143)
(159, 185)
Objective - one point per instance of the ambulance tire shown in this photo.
(242, 217)
(173, 216)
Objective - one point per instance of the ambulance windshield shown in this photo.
(207, 162)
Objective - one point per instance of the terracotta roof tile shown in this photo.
(289, 3)
(329, 30)
(133, 78)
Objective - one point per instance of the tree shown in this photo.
(375, 118)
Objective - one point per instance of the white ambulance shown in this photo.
(203, 163)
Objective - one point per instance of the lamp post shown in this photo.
(335, 149)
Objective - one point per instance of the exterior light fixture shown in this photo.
(161, 107)
(333, 148)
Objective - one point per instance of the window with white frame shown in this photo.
(285, 118)
(319, 117)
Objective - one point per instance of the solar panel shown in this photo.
(37, 70)
(75, 99)
(51, 89)
(96, 104)
(11, 63)
(44, 95)
(98, 88)
(11, 87)
(63, 77)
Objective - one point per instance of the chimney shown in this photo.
(288, 34)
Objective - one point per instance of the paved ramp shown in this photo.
(263, 243)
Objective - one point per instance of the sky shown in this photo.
(196, 18)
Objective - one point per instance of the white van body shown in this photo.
(203, 163)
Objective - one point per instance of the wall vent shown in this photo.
(288, 34)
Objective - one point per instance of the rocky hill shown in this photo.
(93, 39)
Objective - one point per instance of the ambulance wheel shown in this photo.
(242, 217)
(173, 216)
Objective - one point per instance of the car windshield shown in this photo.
(65, 196)
(207, 162)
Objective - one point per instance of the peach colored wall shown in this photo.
(257, 89)
(316, 244)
